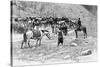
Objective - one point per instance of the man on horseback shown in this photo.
(80, 27)
(79, 23)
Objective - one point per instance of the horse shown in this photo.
(34, 34)
(79, 28)
(82, 28)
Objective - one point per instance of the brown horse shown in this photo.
(82, 28)
(77, 28)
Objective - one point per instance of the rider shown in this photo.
(79, 23)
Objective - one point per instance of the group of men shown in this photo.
(60, 34)
(52, 20)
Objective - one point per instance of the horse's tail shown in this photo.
(85, 31)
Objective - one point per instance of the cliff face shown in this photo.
(73, 11)
(91, 8)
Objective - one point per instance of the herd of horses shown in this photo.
(62, 24)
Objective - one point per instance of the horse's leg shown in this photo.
(28, 42)
(39, 42)
(62, 43)
(83, 30)
(76, 34)
(22, 44)
(66, 32)
(58, 43)
(85, 33)
(24, 41)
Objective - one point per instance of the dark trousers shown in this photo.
(60, 40)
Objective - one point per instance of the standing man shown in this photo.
(60, 37)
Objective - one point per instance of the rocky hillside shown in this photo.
(72, 11)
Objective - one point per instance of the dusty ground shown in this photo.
(49, 53)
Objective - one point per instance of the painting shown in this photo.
(52, 33)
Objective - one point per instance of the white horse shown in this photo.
(34, 34)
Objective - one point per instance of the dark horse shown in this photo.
(79, 28)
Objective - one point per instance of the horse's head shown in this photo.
(46, 32)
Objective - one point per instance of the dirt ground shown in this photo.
(48, 53)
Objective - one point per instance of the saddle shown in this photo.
(36, 34)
